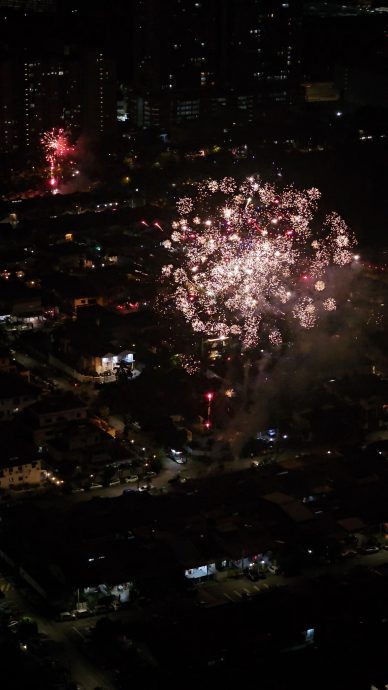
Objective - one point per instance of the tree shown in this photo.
(156, 464)
(109, 472)
(167, 434)
(27, 629)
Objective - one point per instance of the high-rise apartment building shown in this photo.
(45, 89)
(99, 96)
(11, 106)
(74, 92)
(30, 5)
(198, 59)
(263, 53)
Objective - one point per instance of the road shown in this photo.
(51, 376)
(161, 482)
(197, 469)
(213, 593)
(68, 654)
(190, 470)
(71, 635)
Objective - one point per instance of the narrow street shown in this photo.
(214, 593)
(71, 636)
(68, 651)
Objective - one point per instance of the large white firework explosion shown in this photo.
(245, 258)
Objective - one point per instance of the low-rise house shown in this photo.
(48, 416)
(67, 255)
(21, 306)
(88, 348)
(20, 464)
(78, 441)
(17, 472)
(106, 363)
(73, 293)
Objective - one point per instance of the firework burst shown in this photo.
(246, 258)
(57, 148)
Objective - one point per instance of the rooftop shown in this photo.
(254, 512)
(58, 402)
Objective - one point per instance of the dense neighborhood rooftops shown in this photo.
(89, 338)
(70, 287)
(57, 402)
(186, 530)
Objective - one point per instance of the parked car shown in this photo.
(273, 569)
(66, 616)
(177, 455)
(371, 548)
(83, 613)
(349, 553)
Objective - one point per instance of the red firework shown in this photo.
(57, 148)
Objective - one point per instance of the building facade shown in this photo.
(76, 92)
(194, 60)
(16, 472)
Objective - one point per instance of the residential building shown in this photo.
(11, 106)
(229, 60)
(16, 472)
(30, 5)
(74, 294)
(79, 442)
(98, 86)
(73, 91)
(21, 306)
(90, 350)
(47, 417)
